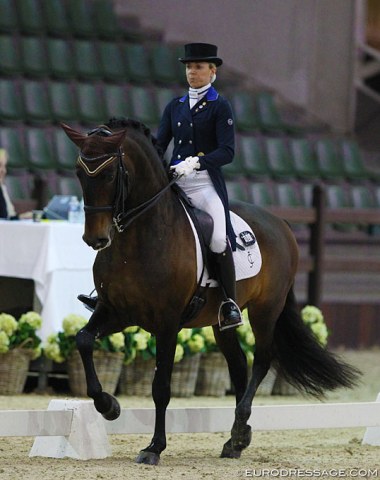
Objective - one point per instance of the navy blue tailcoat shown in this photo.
(206, 131)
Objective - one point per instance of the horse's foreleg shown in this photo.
(104, 403)
(165, 349)
(228, 343)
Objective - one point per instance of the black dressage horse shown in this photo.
(145, 274)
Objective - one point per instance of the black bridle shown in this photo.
(122, 217)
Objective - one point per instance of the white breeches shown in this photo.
(199, 188)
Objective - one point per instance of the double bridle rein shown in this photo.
(122, 217)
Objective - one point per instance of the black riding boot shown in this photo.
(229, 313)
(88, 301)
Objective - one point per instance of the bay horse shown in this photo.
(145, 274)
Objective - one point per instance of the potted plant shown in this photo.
(19, 344)
(213, 377)
(139, 362)
(190, 344)
(108, 355)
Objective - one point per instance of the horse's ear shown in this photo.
(76, 137)
(117, 138)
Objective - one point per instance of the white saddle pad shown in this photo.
(247, 261)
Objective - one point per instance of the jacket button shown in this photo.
(178, 156)
(180, 141)
(191, 124)
(190, 141)
(178, 124)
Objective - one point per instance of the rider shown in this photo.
(201, 123)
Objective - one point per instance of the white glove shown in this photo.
(187, 166)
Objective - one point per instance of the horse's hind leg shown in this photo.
(105, 403)
(228, 343)
(263, 322)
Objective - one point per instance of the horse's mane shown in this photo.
(116, 123)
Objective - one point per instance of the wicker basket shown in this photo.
(184, 376)
(213, 377)
(108, 368)
(14, 366)
(137, 377)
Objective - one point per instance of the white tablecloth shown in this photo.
(54, 255)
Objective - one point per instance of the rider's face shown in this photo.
(199, 74)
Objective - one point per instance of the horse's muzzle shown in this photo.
(97, 243)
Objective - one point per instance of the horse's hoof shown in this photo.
(241, 439)
(229, 452)
(113, 411)
(147, 458)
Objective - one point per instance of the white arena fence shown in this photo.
(73, 428)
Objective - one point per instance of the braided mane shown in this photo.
(116, 123)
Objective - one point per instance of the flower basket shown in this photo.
(213, 377)
(14, 366)
(108, 368)
(136, 378)
(184, 376)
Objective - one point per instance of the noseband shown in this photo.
(122, 218)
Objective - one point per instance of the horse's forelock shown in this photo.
(98, 144)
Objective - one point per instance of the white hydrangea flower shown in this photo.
(179, 351)
(73, 323)
(196, 343)
(34, 319)
(8, 324)
(4, 342)
(117, 340)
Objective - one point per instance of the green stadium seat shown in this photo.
(31, 19)
(63, 102)
(243, 106)
(10, 61)
(262, 194)
(12, 140)
(36, 102)
(91, 106)
(143, 106)
(81, 18)
(329, 162)
(116, 101)
(235, 168)
(164, 65)
(288, 195)
(11, 107)
(33, 55)
(8, 17)
(254, 160)
(69, 186)
(40, 150)
(112, 64)
(66, 152)
(163, 97)
(106, 21)
(60, 58)
(56, 19)
(304, 160)
(236, 191)
(86, 60)
(353, 163)
(337, 196)
(20, 187)
(362, 197)
(279, 159)
(268, 115)
(137, 63)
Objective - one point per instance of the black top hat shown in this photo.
(201, 52)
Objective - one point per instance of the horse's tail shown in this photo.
(302, 360)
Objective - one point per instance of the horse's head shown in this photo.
(102, 174)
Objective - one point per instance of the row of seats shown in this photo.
(36, 102)
(299, 195)
(302, 158)
(82, 18)
(42, 101)
(114, 61)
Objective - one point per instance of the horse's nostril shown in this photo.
(101, 243)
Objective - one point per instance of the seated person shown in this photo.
(7, 209)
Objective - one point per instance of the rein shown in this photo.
(122, 218)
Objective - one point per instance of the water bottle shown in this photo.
(74, 210)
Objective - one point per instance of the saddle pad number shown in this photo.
(247, 238)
